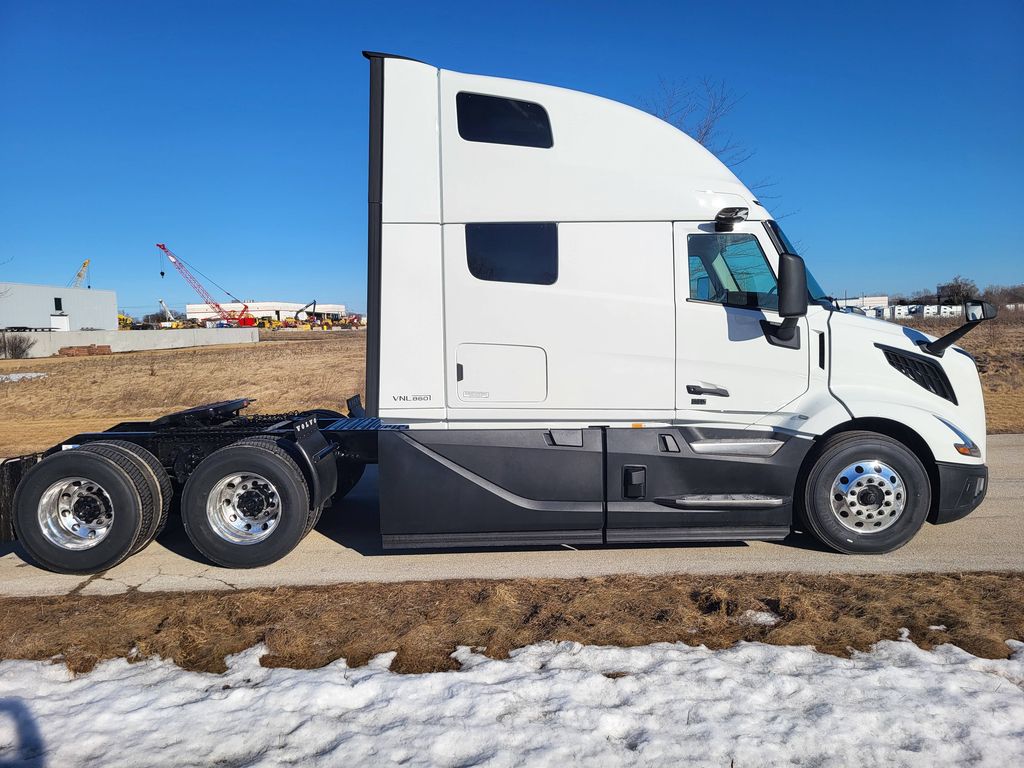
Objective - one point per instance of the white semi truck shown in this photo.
(504, 407)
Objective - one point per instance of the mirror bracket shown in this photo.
(785, 334)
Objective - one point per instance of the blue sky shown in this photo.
(236, 131)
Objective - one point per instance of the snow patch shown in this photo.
(21, 376)
(759, 618)
(548, 704)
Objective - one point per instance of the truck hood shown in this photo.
(863, 372)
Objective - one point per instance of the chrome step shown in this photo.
(723, 501)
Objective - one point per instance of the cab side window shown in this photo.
(731, 268)
(513, 252)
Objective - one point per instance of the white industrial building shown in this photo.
(864, 302)
(279, 310)
(879, 306)
(59, 308)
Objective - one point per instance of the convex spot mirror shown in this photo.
(792, 286)
(976, 310)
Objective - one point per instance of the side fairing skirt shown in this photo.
(455, 488)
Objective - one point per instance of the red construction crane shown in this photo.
(237, 318)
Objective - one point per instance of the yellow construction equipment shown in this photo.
(79, 278)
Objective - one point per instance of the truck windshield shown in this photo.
(815, 290)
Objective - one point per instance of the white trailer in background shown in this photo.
(504, 408)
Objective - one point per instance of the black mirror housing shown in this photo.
(976, 310)
(792, 286)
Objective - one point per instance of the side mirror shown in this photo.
(792, 286)
(976, 310)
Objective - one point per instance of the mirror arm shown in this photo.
(940, 345)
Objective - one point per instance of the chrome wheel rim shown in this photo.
(868, 496)
(244, 508)
(75, 513)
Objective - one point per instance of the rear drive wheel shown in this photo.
(246, 505)
(153, 484)
(269, 441)
(162, 477)
(79, 511)
(866, 494)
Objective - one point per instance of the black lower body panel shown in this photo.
(704, 533)
(509, 487)
(962, 488)
(686, 469)
(503, 539)
(486, 487)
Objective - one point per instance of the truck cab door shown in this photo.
(727, 368)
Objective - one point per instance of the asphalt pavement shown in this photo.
(346, 547)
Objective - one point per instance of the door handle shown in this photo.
(696, 389)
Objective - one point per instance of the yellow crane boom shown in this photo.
(76, 281)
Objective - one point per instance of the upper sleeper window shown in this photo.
(499, 120)
(513, 252)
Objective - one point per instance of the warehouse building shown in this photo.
(864, 302)
(58, 308)
(278, 310)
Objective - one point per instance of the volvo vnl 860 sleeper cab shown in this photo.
(583, 329)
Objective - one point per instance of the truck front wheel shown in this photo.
(866, 493)
(246, 505)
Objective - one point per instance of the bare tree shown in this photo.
(958, 290)
(954, 291)
(1001, 295)
(15, 346)
(700, 110)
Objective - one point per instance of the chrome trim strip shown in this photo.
(736, 447)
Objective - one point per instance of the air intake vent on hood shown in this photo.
(922, 370)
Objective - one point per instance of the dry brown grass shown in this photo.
(89, 393)
(424, 621)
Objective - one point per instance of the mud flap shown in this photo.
(11, 472)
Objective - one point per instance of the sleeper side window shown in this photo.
(513, 252)
(731, 268)
(499, 120)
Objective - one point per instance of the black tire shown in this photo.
(162, 478)
(271, 440)
(260, 456)
(155, 490)
(853, 449)
(119, 479)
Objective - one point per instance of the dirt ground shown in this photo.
(425, 621)
(297, 370)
